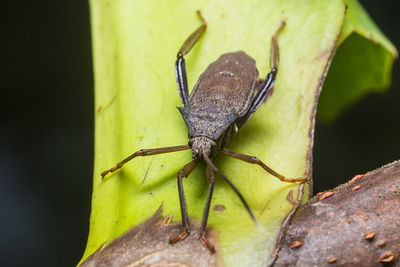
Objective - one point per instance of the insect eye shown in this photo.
(191, 142)
(213, 145)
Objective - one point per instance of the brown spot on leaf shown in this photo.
(102, 108)
(219, 207)
(381, 243)
(388, 256)
(369, 235)
(327, 194)
(356, 188)
(332, 260)
(296, 244)
(356, 178)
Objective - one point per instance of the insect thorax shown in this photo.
(206, 121)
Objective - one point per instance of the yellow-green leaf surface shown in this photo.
(135, 45)
(362, 64)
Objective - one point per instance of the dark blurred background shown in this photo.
(46, 129)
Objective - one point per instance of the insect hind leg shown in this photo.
(265, 85)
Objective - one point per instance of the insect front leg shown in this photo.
(184, 172)
(203, 229)
(180, 66)
(211, 165)
(143, 153)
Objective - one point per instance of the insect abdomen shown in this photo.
(228, 83)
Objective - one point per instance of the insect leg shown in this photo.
(180, 67)
(262, 93)
(215, 169)
(184, 172)
(254, 160)
(267, 83)
(274, 57)
(143, 153)
(207, 243)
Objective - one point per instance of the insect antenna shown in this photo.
(215, 169)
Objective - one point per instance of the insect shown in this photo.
(224, 98)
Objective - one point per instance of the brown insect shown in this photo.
(224, 98)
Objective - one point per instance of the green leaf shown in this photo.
(135, 45)
(362, 64)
